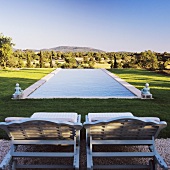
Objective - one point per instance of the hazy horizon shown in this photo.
(108, 25)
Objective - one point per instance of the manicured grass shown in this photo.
(159, 106)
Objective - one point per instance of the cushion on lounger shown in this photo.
(10, 119)
(104, 116)
(61, 116)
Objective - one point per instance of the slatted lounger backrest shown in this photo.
(40, 129)
(124, 128)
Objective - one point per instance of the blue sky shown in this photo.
(109, 25)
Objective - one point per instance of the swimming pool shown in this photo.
(83, 83)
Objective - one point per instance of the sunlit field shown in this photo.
(98, 65)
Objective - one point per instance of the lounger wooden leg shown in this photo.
(122, 131)
(77, 150)
(89, 159)
(6, 160)
(158, 159)
(76, 158)
(151, 164)
(14, 165)
(89, 156)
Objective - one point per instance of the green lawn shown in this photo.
(159, 106)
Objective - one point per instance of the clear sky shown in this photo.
(109, 25)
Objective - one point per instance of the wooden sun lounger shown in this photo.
(37, 131)
(123, 131)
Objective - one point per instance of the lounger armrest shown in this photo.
(150, 118)
(86, 118)
(79, 118)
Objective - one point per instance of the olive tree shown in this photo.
(148, 60)
(5, 49)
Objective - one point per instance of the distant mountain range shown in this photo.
(68, 49)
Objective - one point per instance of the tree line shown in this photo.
(55, 59)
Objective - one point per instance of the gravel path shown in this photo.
(162, 145)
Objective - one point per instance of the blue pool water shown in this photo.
(81, 83)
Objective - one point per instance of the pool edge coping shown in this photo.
(127, 85)
(40, 82)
